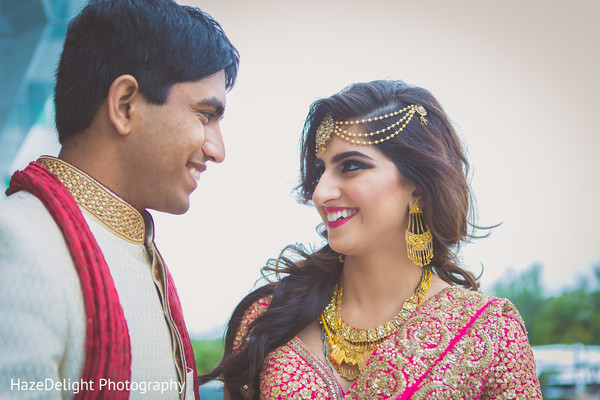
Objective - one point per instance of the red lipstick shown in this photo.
(339, 220)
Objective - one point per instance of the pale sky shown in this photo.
(519, 79)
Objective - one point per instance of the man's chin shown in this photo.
(175, 208)
(179, 210)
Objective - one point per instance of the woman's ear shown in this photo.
(417, 194)
(121, 95)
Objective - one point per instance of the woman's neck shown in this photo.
(375, 288)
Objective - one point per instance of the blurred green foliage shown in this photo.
(208, 353)
(570, 317)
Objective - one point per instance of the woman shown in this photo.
(383, 311)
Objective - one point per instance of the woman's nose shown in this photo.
(327, 190)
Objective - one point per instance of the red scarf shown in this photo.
(107, 350)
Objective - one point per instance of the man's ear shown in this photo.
(121, 94)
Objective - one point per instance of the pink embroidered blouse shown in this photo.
(459, 344)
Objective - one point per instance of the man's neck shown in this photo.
(100, 160)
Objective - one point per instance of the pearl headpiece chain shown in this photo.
(329, 127)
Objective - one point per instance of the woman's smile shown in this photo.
(337, 216)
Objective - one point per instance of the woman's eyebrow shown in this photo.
(339, 157)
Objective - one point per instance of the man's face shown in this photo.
(173, 143)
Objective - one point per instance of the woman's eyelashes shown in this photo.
(345, 166)
(352, 165)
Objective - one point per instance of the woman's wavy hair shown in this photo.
(430, 156)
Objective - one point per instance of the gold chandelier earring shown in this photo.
(419, 240)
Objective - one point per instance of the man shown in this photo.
(87, 306)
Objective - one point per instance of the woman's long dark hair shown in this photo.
(431, 157)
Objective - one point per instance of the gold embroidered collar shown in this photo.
(119, 216)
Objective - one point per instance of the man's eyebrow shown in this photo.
(214, 102)
(341, 156)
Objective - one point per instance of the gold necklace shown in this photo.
(350, 347)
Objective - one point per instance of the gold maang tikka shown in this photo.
(419, 240)
(330, 127)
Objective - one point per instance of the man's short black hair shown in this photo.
(159, 42)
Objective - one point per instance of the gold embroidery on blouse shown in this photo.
(107, 207)
(373, 382)
(428, 337)
(437, 390)
(319, 366)
(491, 360)
(286, 376)
(476, 365)
(256, 309)
(288, 359)
(478, 351)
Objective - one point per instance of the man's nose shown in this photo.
(214, 147)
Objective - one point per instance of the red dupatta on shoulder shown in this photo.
(107, 349)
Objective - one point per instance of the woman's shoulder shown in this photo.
(468, 297)
(256, 309)
(457, 299)
(251, 313)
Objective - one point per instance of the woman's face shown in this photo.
(361, 198)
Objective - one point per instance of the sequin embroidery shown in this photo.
(460, 344)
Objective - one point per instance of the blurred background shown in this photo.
(518, 79)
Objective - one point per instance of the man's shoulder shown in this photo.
(26, 226)
(41, 302)
(21, 210)
(21, 205)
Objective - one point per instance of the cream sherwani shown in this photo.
(42, 316)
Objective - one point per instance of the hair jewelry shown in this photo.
(419, 240)
(331, 127)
